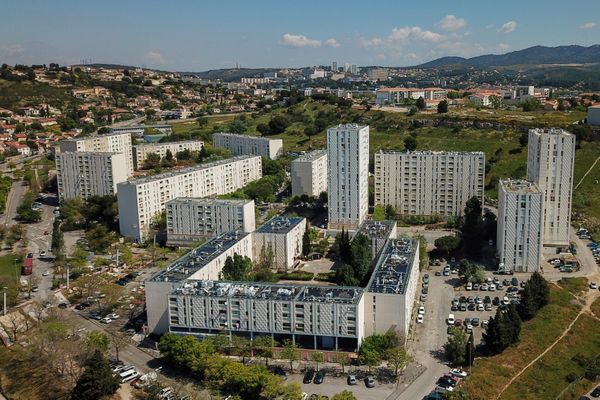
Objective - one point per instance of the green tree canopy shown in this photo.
(97, 380)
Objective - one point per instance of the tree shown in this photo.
(447, 244)
(503, 330)
(58, 242)
(472, 272)
(290, 352)
(97, 380)
(278, 124)
(442, 107)
(152, 161)
(236, 268)
(371, 358)
(344, 395)
(360, 256)
(202, 122)
(398, 358)
(341, 358)
(524, 139)
(264, 347)
(238, 126)
(306, 244)
(455, 347)
(98, 341)
(317, 357)
(410, 143)
(420, 103)
(241, 347)
(534, 296)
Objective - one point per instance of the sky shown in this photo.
(180, 35)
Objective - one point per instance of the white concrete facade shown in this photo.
(428, 182)
(550, 163)
(142, 200)
(138, 130)
(520, 215)
(249, 145)
(190, 218)
(141, 151)
(84, 174)
(283, 236)
(348, 175)
(309, 174)
(110, 143)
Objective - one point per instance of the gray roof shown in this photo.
(280, 224)
(393, 268)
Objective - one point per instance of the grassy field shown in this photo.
(8, 268)
(490, 374)
(19, 94)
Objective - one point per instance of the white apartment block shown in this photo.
(138, 130)
(191, 218)
(84, 174)
(394, 95)
(309, 174)
(249, 145)
(428, 182)
(110, 143)
(283, 237)
(141, 200)
(141, 151)
(348, 175)
(520, 215)
(550, 160)
(204, 262)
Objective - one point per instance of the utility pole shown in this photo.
(68, 268)
(5, 289)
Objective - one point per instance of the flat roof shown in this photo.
(82, 138)
(260, 138)
(196, 259)
(392, 272)
(376, 229)
(90, 153)
(209, 201)
(158, 144)
(431, 152)
(279, 224)
(187, 170)
(140, 127)
(519, 185)
(270, 291)
(312, 156)
(550, 131)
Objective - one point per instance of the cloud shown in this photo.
(370, 42)
(332, 43)
(154, 57)
(504, 46)
(588, 25)
(508, 27)
(409, 33)
(451, 23)
(292, 40)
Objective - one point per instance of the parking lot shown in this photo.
(332, 385)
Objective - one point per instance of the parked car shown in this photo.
(421, 310)
(596, 392)
(308, 376)
(45, 273)
(475, 321)
(319, 377)
(450, 319)
(458, 372)
(463, 307)
(106, 320)
(351, 380)
(469, 286)
(420, 319)
(593, 285)
(484, 286)
(370, 381)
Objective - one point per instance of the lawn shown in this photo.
(8, 267)
(490, 374)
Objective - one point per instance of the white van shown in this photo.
(128, 375)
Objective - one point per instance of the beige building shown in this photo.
(141, 151)
(190, 219)
(283, 237)
(84, 174)
(249, 145)
(309, 174)
(141, 200)
(110, 143)
(428, 182)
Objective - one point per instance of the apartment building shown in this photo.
(593, 115)
(141, 151)
(190, 219)
(395, 95)
(378, 232)
(84, 174)
(520, 218)
(204, 262)
(550, 161)
(110, 143)
(309, 174)
(141, 200)
(249, 145)
(428, 182)
(348, 175)
(138, 130)
(282, 236)
(390, 294)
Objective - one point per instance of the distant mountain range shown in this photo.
(531, 56)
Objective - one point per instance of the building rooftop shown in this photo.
(123, 128)
(431, 152)
(393, 267)
(270, 291)
(347, 126)
(90, 153)
(167, 143)
(550, 131)
(376, 229)
(280, 224)
(183, 171)
(312, 156)
(193, 261)
(210, 201)
(260, 138)
(519, 185)
(90, 137)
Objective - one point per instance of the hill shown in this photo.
(533, 55)
(231, 74)
(20, 94)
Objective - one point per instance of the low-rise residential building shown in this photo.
(142, 200)
(282, 236)
(428, 182)
(396, 95)
(141, 151)
(190, 219)
(520, 222)
(109, 143)
(249, 145)
(309, 174)
(138, 130)
(20, 148)
(84, 174)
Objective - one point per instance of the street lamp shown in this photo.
(68, 266)
(4, 289)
